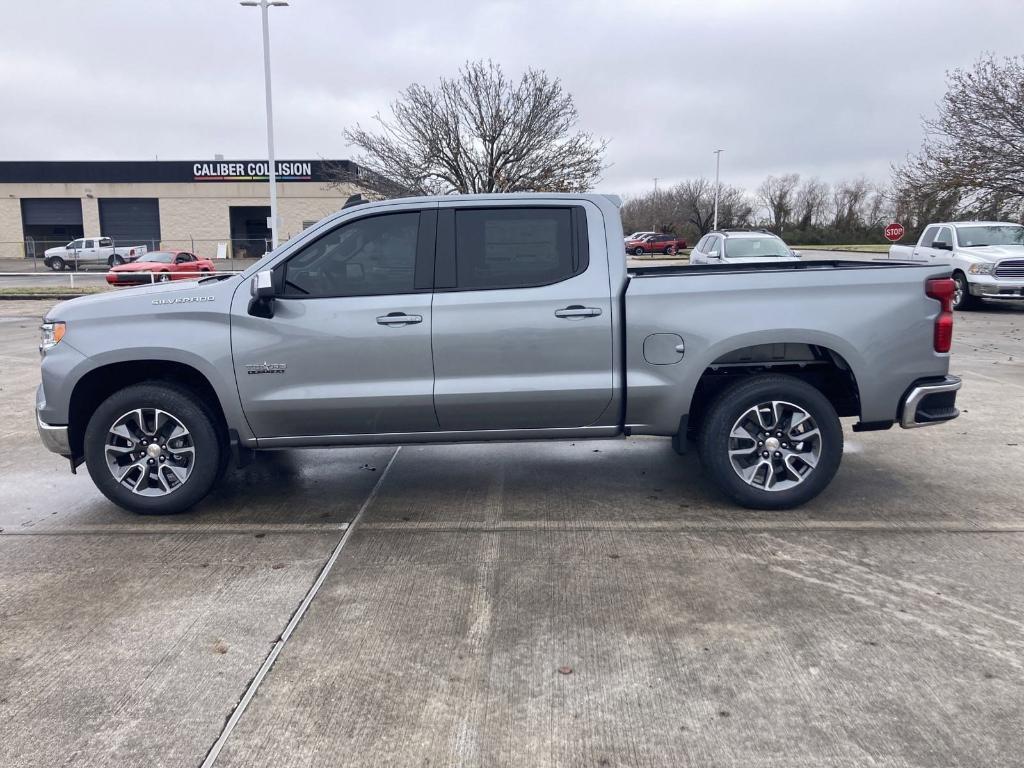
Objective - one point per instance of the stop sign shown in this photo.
(894, 232)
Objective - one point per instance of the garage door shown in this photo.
(131, 221)
(51, 211)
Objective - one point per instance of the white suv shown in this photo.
(741, 247)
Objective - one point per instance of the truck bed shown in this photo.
(872, 316)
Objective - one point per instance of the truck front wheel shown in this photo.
(153, 448)
(962, 299)
(771, 442)
(57, 264)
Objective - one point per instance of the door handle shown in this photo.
(399, 318)
(578, 310)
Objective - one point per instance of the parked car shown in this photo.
(479, 318)
(160, 266)
(655, 243)
(741, 247)
(90, 252)
(987, 258)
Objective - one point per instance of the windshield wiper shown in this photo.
(214, 277)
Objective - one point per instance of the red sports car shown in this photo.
(160, 266)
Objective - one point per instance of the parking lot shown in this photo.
(589, 603)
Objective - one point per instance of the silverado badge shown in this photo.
(255, 368)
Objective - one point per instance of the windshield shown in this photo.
(745, 247)
(160, 257)
(1004, 234)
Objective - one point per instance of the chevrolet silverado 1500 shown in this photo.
(492, 318)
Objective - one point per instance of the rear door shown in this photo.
(90, 252)
(347, 351)
(522, 335)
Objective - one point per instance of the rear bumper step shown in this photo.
(930, 401)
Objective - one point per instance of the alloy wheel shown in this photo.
(774, 446)
(150, 452)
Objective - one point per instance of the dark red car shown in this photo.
(160, 266)
(667, 244)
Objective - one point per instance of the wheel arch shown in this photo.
(820, 365)
(99, 383)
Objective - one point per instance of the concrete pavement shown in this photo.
(881, 624)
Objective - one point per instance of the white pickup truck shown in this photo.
(91, 252)
(987, 258)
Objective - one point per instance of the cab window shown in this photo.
(507, 247)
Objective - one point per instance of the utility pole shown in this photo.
(264, 6)
(718, 163)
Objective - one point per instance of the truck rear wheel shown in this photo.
(771, 442)
(154, 449)
(114, 260)
(962, 299)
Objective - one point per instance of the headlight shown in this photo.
(985, 268)
(52, 333)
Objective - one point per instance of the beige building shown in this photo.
(203, 206)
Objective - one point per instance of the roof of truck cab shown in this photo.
(496, 196)
(975, 224)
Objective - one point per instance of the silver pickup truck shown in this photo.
(492, 318)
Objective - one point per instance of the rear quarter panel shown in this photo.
(878, 319)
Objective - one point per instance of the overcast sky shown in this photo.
(832, 88)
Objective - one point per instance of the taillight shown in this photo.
(942, 290)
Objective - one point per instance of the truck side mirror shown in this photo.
(941, 246)
(262, 290)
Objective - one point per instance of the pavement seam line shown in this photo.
(268, 663)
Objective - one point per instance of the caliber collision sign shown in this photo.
(894, 232)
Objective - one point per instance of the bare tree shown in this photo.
(482, 132)
(777, 194)
(848, 198)
(688, 209)
(974, 147)
(811, 204)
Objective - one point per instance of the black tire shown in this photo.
(963, 290)
(211, 450)
(639, 251)
(163, 277)
(57, 264)
(670, 251)
(732, 403)
(114, 261)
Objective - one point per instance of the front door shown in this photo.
(347, 351)
(522, 319)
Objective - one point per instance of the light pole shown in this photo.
(718, 163)
(264, 6)
(654, 226)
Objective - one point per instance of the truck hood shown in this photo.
(992, 253)
(159, 298)
(58, 249)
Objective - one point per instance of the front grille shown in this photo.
(1010, 268)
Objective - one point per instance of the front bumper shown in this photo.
(930, 401)
(55, 438)
(988, 287)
